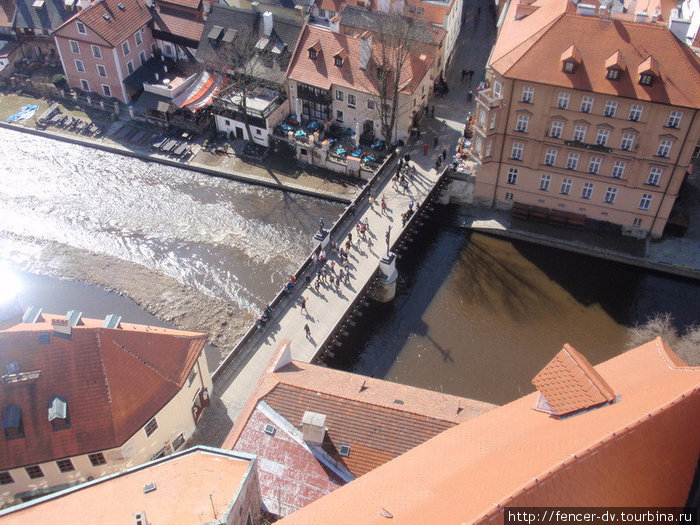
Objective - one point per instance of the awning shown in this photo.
(200, 93)
(58, 408)
(151, 102)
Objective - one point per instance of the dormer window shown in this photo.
(613, 74)
(314, 50)
(614, 66)
(570, 59)
(646, 79)
(58, 413)
(339, 58)
(647, 71)
(312, 54)
(570, 66)
(338, 61)
(12, 422)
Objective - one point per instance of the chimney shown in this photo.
(267, 23)
(149, 3)
(313, 427)
(678, 25)
(365, 49)
(640, 17)
(585, 9)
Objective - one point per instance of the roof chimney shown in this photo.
(585, 9)
(313, 427)
(678, 25)
(267, 23)
(365, 49)
(641, 16)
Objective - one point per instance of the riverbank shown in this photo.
(285, 176)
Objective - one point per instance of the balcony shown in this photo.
(590, 147)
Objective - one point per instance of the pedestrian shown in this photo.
(370, 243)
(337, 283)
(347, 246)
(317, 283)
(319, 276)
(371, 202)
(410, 206)
(303, 304)
(405, 187)
(332, 267)
(320, 224)
(350, 237)
(404, 218)
(407, 158)
(307, 279)
(399, 165)
(464, 74)
(432, 112)
(383, 204)
(341, 274)
(363, 231)
(346, 265)
(470, 95)
(347, 277)
(435, 142)
(444, 154)
(307, 330)
(325, 274)
(357, 228)
(425, 149)
(314, 258)
(367, 226)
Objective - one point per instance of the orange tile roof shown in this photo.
(114, 381)
(198, 485)
(569, 383)
(178, 24)
(528, 49)
(189, 4)
(119, 24)
(378, 419)
(323, 73)
(640, 451)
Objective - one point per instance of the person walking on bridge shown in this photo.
(307, 331)
(303, 304)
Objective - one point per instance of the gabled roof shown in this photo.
(189, 4)
(50, 16)
(641, 450)
(114, 24)
(113, 380)
(198, 485)
(527, 48)
(377, 21)
(323, 73)
(178, 24)
(226, 18)
(7, 13)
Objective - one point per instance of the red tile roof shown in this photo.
(7, 13)
(189, 4)
(641, 450)
(569, 383)
(530, 49)
(114, 381)
(112, 23)
(322, 72)
(178, 24)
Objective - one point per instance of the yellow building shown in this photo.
(82, 398)
(586, 115)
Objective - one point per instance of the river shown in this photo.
(474, 316)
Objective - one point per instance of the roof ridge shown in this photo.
(112, 427)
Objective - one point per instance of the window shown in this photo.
(587, 191)
(65, 465)
(137, 37)
(81, 28)
(258, 132)
(497, 89)
(556, 129)
(487, 153)
(602, 137)
(610, 108)
(96, 52)
(103, 72)
(569, 66)
(352, 100)
(550, 157)
(664, 148)
(516, 152)
(130, 67)
(646, 79)
(645, 201)
(150, 427)
(339, 116)
(528, 94)
(509, 196)
(106, 90)
(627, 141)
(610, 195)
(339, 95)
(169, 50)
(523, 122)
(344, 450)
(674, 119)
(586, 104)
(34, 472)
(613, 74)
(635, 112)
(142, 58)
(178, 441)
(492, 120)
(371, 104)
(97, 459)
(478, 143)
(12, 422)
(654, 176)
(619, 169)
(572, 161)
(594, 165)
(563, 100)
(338, 61)
(544, 182)
(512, 176)
(482, 118)
(74, 47)
(637, 222)
(6, 478)
(84, 84)
(192, 376)
(579, 133)
(79, 66)
(565, 186)
(125, 48)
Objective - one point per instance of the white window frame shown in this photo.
(572, 161)
(594, 165)
(79, 68)
(84, 85)
(637, 222)
(481, 121)
(142, 58)
(99, 68)
(566, 185)
(522, 123)
(492, 120)
(517, 150)
(96, 52)
(74, 47)
(550, 157)
(627, 141)
(137, 38)
(556, 129)
(654, 177)
(645, 201)
(636, 111)
(674, 119)
(104, 92)
(545, 181)
(587, 104)
(528, 95)
(80, 25)
(339, 115)
(579, 133)
(563, 100)
(487, 151)
(339, 95)
(126, 49)
(130, 65)
(497, 89)
(602, 137)
(509, 196)
(610, 108)
(619, 169)
(512, 177)
(610, 195)
(664, 149)
(587, 190)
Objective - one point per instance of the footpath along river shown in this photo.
(475, 316)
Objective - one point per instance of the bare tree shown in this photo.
(687, 345)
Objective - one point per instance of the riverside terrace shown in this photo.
(333, 147)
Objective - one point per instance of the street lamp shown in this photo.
(388, 236)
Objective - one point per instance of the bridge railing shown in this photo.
(339, 224)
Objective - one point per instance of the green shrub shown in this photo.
(59, 80)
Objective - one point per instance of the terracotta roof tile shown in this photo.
(190, 4)
(7, 13)
(113, 380)
(569, 383)
(111, 22)
(178, 24)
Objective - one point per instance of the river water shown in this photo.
(475, 316)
